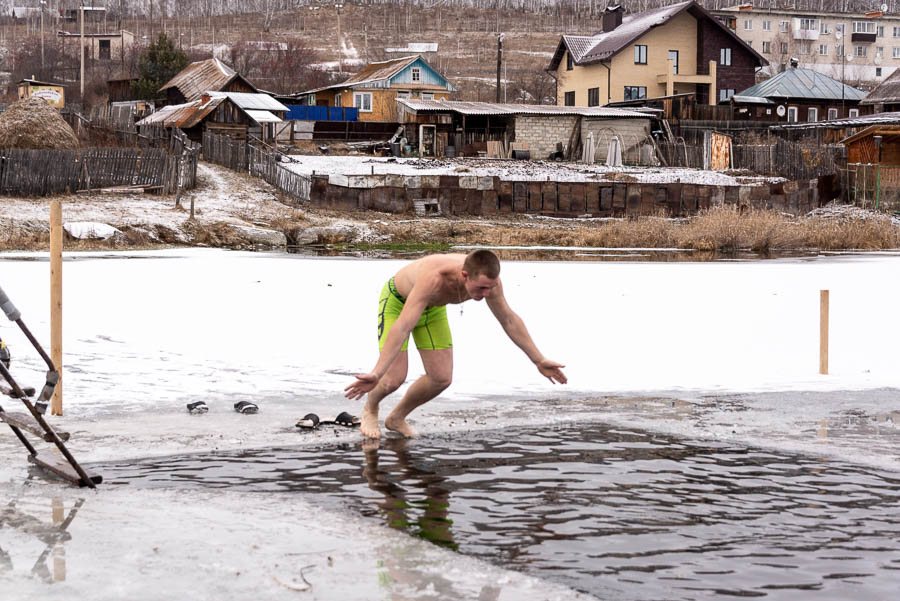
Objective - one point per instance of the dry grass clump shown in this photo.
(846, 234)
(32, 123)
(727, 228)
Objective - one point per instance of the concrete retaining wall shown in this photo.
(472, 195)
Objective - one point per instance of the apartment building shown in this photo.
(859, 49)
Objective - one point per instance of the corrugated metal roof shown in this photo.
(182, 115)
(798, 82)
(491, 108)
(248, 101)
(201, 76)
(263, 116)
(740, 98)
(887, 91)
(876, 119)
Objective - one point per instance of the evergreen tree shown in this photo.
(159, 63)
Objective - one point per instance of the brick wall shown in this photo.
(544, 132)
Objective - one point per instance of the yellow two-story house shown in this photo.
(675, 49)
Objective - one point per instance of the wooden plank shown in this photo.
(24, 421)
(63, 469)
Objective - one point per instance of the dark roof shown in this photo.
(888, 91)
(209, 75)
(380, 71)
(798, 82)
(604, 45)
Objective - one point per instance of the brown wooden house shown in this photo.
(211, 75)
(877, 144)
(235, 114)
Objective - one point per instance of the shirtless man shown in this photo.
(414, 301)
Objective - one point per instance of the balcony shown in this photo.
(866, 38)
(806, 34)
(669, 79)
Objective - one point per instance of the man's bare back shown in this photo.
(439, 275)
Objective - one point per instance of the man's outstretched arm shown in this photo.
(412, 310)
(515, 328)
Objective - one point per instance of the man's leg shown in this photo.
(392, 380)
(438, 375)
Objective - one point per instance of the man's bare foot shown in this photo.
(399, 425)
(368, 423)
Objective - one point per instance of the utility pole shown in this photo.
(340, 40)
(42, 38)
(499, 63)
(82, 56)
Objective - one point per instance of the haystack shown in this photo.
(32, 123)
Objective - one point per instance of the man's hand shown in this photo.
(552, 371)
(363, 384)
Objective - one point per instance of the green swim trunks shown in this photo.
(432, 332)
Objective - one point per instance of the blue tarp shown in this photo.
(302, 112)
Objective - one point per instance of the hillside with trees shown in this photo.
(288, 46)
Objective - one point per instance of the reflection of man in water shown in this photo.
(414, 301)
(403, 566)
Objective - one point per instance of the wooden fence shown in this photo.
(782, 158)
(46, 172)
(871, 186)
(257, 159)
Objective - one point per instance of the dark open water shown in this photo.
(619, 514)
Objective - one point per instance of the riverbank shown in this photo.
(243, 213)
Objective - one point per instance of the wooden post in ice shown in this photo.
(823, 332)
(56, 243)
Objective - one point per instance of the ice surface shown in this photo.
(725, 351)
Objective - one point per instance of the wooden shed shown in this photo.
(53, 93)
(877, 144)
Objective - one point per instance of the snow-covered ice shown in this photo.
(725, 351)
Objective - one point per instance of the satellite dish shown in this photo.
(780, 110)
(838, 35)
(884, 8)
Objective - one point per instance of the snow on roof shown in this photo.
(250, 101)
(263, 116)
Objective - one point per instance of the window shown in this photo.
(823, 29)
(363, 101)
(784, 48)
(880, 31)
(853, 113)
(570, 64)
(427, 95)
(805, 47)
(635, 92)
(896, 52)
(767, 26)
(403, 94)
(337, 100)
(879, 52)
(863, 27)
(416, 73)
(570, 98)
(859, 51)
(104, 50)
(748, 24)
(725, 57)
(725, 94)
(832, 114)
(767, 47)
(812, 114)
(877, 71)
(593, 96)
(673, 56)
(640, 55)
(809, 24)
(784, 26)
(897, 32)
(792, 114)
(823, 49)
(839, 27)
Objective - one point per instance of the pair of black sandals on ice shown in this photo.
(311, 421)
(245, 407)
